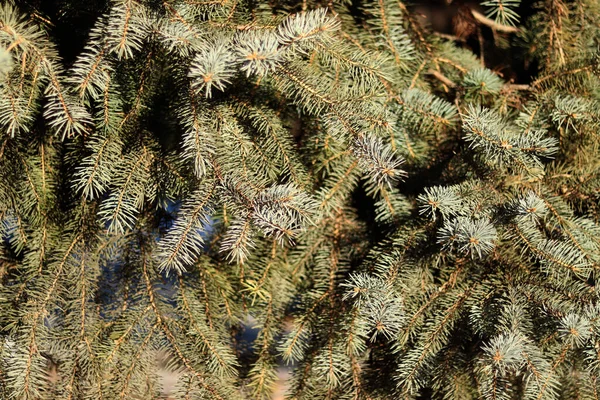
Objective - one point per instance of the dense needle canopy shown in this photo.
(397, 210)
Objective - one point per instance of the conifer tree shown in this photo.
(399, 213)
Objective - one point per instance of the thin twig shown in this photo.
(482, 19)
(442, 78)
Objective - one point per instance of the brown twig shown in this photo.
(482, 19)
(442, 78)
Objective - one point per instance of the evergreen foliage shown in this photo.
(395, 212)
